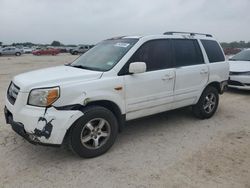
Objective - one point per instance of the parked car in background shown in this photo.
(27, 50)
(46, 51)
(87, 102)
(61, 49)
(240, 70)
(80, 49)
(231, 51)
(11, 51)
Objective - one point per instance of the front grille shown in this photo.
(234, 73)
(234, 83)
(239, 73)
(12, 93)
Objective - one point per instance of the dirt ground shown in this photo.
(171, 149)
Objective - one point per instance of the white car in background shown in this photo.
(240, 70)
(27, 50)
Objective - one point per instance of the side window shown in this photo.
(156, 54)
(213, 51)
(187, 52)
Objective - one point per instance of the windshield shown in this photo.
(105, 55)
(242, 56)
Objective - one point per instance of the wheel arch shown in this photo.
(216, 85)
(113, 107)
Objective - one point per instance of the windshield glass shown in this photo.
(105, 55)
(242, 56)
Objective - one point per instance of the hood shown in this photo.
(54, 76)
(239, 66)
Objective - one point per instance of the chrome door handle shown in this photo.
(203, 71)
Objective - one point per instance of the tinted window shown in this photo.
(213, 51)
(156, 54)
(187, 52)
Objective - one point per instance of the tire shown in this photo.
(84, 137)
(75, 53)
(207, 104)
(17, 53)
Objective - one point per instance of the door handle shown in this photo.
(203, 71)
(168, 77)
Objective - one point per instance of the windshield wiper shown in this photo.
(81, 67)
(85, 67)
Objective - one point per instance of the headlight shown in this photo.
(43, 97)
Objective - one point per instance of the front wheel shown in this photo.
(94, 133)
(207, 104)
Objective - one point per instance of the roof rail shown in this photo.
(116, 38)
(190, 33)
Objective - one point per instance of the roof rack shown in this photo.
(190, 33)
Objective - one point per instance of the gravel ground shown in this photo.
(171, 149)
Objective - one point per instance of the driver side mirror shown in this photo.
(137, 67)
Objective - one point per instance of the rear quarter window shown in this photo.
(213, 51)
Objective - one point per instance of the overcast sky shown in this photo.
(89, 21)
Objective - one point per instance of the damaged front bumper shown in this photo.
(19, 129)
(39, 125)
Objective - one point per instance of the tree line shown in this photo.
(240, 44)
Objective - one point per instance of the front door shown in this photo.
(150, 92)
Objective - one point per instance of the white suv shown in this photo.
(87, 102)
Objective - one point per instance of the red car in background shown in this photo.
(46, 51)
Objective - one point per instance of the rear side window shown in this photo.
(156, 54)
(213, 51)
(187, 52)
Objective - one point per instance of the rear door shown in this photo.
(219, 68)
(191, 71)
(150, 92)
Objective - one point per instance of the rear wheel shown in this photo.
(17, 53)
(94, 133)
(207, 104)
(75, 53)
